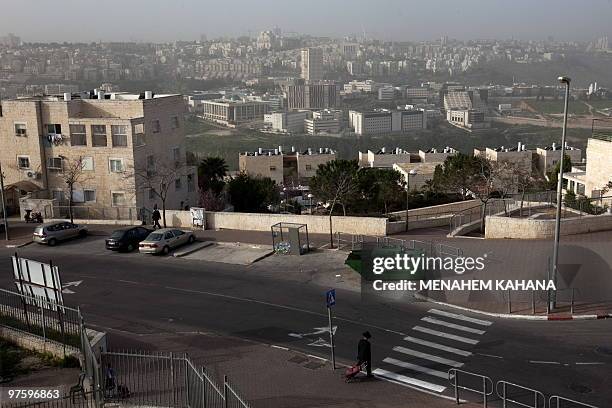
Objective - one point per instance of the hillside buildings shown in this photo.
(593, 180)
(386, 121)
(311, 95)
(232, 112)
(290, 168)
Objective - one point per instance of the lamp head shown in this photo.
(412, 172)
(564, 79)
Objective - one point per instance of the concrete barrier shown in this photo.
(529, 228)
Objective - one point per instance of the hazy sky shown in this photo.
(168, 20)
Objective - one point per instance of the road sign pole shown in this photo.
(331, 338)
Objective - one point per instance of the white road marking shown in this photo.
(489, 355)
(408, 380)
(445, 335)
(429, 357)
(433, 320)
(415, 367)
(590, 363)
(461, 317)
(442, 347)
(544, 362)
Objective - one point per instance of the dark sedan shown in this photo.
(127, 239)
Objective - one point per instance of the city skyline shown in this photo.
(386, 20)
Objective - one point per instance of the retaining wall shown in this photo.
(527, 228)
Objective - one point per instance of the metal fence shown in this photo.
(163, 379)
(509, 394)
(42, 318)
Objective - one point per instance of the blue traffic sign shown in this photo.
(330, 297)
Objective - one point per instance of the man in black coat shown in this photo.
(364, 352)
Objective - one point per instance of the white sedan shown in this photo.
(163, 240)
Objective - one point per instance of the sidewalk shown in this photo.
(270, 377)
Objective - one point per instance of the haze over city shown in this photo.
(408, 20)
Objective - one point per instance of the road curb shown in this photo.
(517, 316)
(19, 245)
(196, 247)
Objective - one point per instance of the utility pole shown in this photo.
(552, 296)
(6, 228)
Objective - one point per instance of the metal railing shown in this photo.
(164, 379)
(42, 318)
(558, 400)
(485, 391)
(535, 396)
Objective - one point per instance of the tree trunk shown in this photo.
(70, 188)
(331, 229)
(484, 214)
(522, 201)
(164, 212)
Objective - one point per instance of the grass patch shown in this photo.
(15, 360)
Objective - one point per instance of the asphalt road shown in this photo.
(413, 343)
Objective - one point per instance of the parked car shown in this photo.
(165, 239)
(127, 239)
(51, 233)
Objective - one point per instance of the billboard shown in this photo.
(37, 279)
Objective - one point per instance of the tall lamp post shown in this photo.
(310, 204)
(410, 173)
(6, 228)
(555, 264)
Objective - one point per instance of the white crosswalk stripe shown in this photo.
(433, 346)
(439, 322)
(417, 368)
(445, 335)
(461, 317)
(429, 357)
(408, 380)
(442, 347)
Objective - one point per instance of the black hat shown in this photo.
(366, 334)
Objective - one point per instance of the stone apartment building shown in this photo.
(118, 138)
(290, 169)
(598, 173)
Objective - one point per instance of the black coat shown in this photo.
(156, 215)
(364, 350)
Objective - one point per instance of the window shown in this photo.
(115, 165)
(272, 168)
(156, 126)
(20, 129)
(151, 194)
(176, 154)
(58, 195)
(89, 195)
(55, 128)
(139, 136)
(98, 138)
(55, 163)
(23, 162)
(168, 235)
(177, 184)
(87, 163)
(77, 135)
(178, 233)
(175, 122)
(119, 135)
(118, 199)
(308, 167)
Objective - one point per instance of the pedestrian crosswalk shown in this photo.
(440, 341)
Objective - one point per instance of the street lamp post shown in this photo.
(410, 173)
(555, 264)
(6, 228)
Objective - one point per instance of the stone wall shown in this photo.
(528, 228)
(438, 209)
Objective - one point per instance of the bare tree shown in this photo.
(482, 185)
(158, 179)
(526, 180)
(72, 174)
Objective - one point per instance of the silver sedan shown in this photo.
(165, 239)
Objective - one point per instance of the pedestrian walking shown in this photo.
(364, 352)
(156, 217)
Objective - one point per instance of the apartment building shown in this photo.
(386, 93)
(325, 121)
(384, 157)
(518, 155)
(232, 112)
(386, 121)
(290, 122)
(312, 95)
(598, 172)
(312, 64)
(435, 155)
(115, 138)
(549, 156)
(416, 174)
(290, 168)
